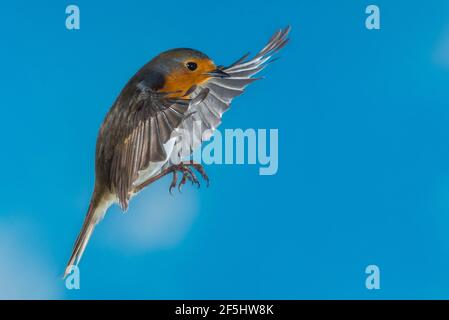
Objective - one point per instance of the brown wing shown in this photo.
(132, 136)
(206, 116)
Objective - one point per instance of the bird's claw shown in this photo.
(187, 174)
(173, 182)
(201, 170)
(183, 182)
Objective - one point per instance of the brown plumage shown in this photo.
(150, 118)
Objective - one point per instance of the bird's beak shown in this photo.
(218, 73)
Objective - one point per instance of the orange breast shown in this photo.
(178, 82)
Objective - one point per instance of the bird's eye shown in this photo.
(191, 66)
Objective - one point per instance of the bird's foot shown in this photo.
(187, 174)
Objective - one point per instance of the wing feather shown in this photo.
(222, 91)
(136, 135)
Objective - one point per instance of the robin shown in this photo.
(154, 115)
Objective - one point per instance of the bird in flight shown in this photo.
(149, 129)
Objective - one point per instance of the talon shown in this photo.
(201, 170)
(173, 182)
(193, 176)
(183, 181)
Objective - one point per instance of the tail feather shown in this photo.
(95, 213)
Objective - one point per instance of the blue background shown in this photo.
(363, 153)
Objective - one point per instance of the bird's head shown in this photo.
(183, 69)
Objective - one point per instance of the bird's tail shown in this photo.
(97, 209)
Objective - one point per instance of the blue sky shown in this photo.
(363, 154)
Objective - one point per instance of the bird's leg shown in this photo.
(198, 167)
(157, 177)
(187, 174)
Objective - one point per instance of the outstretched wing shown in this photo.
(133, 136)
(206, 116)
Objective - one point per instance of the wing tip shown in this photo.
(276, 42)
